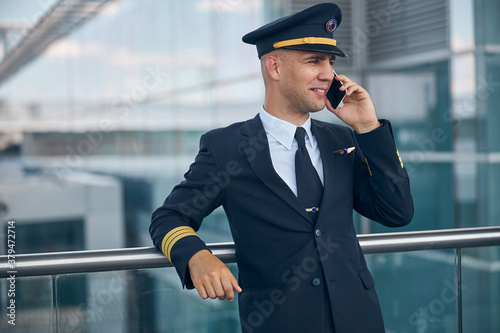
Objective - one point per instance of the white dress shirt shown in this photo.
(283, 145)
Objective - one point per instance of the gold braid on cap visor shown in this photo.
(306, 40)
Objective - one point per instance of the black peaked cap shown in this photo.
(310, 30)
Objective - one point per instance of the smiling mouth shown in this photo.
(319, 90)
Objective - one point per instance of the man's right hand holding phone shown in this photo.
(358, 110)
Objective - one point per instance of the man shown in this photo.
(301, 268)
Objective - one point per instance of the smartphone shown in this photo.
(334, 95)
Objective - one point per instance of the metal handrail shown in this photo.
(149, 257)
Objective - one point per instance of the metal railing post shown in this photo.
(458, 285)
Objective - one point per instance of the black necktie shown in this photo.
(309, 187)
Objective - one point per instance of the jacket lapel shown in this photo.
(256, 149)
(325, 140)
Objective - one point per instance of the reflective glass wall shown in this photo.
(126, 95)
(97, 128)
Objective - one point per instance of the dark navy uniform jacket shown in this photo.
(295, 275)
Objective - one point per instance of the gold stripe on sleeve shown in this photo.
(400, 160)
(173, 236)
(177, 238)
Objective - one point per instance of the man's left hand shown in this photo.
(358, 110)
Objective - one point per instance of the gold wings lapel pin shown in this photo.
(344, 151)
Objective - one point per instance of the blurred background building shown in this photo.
(102, 104)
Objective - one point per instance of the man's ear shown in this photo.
(272, 66)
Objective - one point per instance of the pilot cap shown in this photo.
(309, 30)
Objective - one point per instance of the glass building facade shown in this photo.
(107, 118)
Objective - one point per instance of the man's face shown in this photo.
(306, 78)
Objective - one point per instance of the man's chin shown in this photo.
(311, 111)
(319, 107)
(314, 107)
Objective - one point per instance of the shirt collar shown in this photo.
(281, 130)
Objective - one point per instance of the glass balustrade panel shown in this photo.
(149, 300)
(416, 290)
(481, 289)
(27, 305)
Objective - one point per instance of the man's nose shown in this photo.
(327, 73)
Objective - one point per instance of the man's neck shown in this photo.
(295, 118)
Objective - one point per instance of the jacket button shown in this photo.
(316, 282)
(318, 232)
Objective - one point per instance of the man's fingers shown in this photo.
(210, 289)
(211, 277)
(350, 87)
(201, 291)
(218, 286)
(212, 293)
(205, 288)
(228, 289)
(344, 79)
(236, 287)
(219, 289)
(230, 284)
